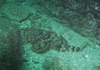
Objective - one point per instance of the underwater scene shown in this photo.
(49, 34)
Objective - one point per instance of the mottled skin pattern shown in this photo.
(42, 41)
(39, 39)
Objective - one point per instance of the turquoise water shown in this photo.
(49, 35)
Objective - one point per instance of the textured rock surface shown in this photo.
(9, 45)
(15, 1)
(15, 11)
(55, 63)
(2, 2)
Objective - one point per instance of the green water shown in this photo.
(49, 35)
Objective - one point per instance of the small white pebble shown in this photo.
(30, 66)
(75, 61)
(97, 46)
(86, 56)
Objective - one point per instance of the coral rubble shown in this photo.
(55, 63)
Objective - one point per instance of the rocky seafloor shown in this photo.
(49, 35)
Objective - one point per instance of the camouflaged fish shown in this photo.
(42, 41)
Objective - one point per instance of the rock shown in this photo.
(15, 1)
(2, 2)
(10, 42)
(55, 63)
(16, 11)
